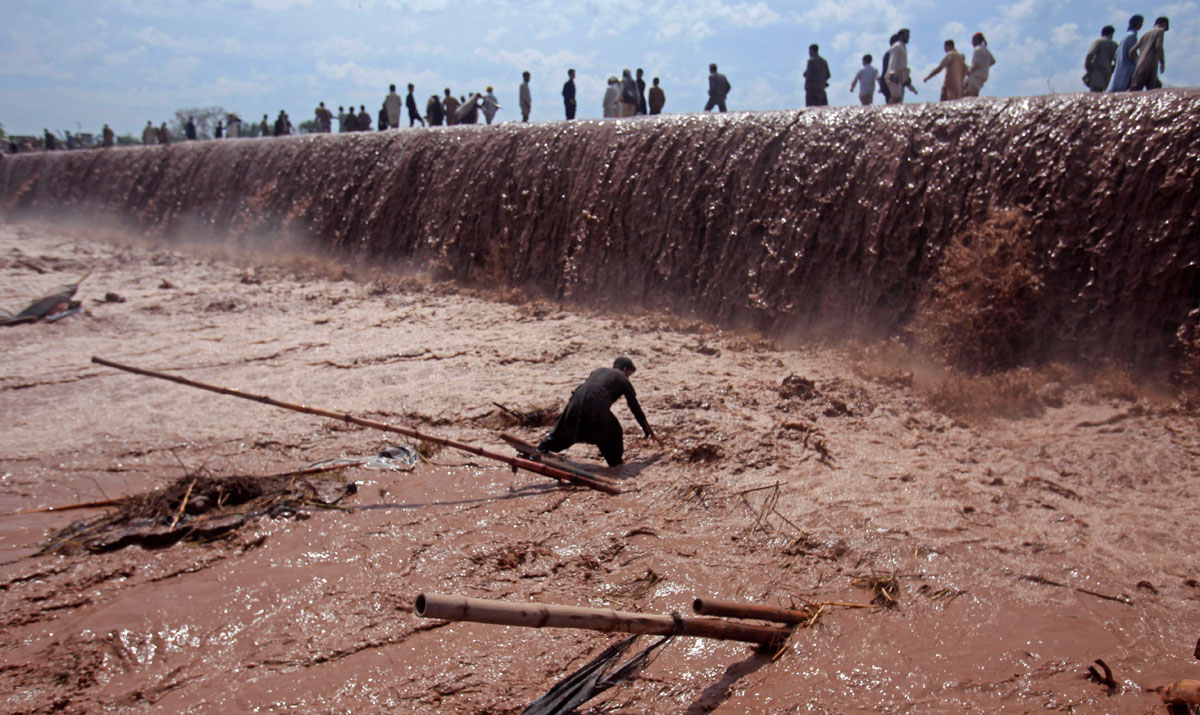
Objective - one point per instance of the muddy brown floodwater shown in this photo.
(1023, 548)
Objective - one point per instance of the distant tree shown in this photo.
(308, 127)
(2, 131)
(128, 139)
(206, 119)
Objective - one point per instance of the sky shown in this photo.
(74, 65)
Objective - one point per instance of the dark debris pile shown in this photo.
(201, 508)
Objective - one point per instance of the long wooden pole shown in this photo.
(545, 615)
(597, 483)
(731, 609)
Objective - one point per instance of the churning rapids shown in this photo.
(809, 222)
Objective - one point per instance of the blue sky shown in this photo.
(74, 65)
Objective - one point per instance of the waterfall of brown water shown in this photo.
(817, 221)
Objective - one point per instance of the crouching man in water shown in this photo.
(589, 418)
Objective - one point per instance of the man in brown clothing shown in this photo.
(450, 108)
(956, 71)
(1150, 57)
(1101, 60)
(657, 98)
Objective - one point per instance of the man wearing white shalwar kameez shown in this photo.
(897, 73)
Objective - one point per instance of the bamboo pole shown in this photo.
(544, 615)
(730, 609)
(68, 507)
(599, 484)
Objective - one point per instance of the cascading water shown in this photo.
(822, 222)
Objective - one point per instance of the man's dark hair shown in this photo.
(813, 47)
(867, 59)
(570, 71)
(1135, 22)
(1166, 24)
(447, 91)
(392, 88)
(656, 80)
(411, 85)
(624, 363)
(950, 44)
(712, 67)
(1107, 31)
(525, 74)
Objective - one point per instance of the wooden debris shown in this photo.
(1121, 598)
(542, 615)
(633, 589)
(804, 617)
(1106, 679)
(514, 462)
(885, 586)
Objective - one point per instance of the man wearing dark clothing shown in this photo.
(588, 417)
(414, 114)
(883, 85)
(189, 129)
(382, 118)
(816, 79)
(433, 111)
(658, 98)
(568, 95)
(641, 84)
(718, 89)
(364, 119)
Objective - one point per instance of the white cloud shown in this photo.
(1066, 35)
(1176, 10)
(354, 74)
(157, 38)
(955, 30)
(120, 58)
(228, 88)
(760, 94)
(279, 4)
(174, 71)
(410, 6)
(341, 46)
(553, 24)
(534, 60)
(878, 13)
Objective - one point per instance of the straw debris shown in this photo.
(631, 590)
(201, 508)
(885, 586)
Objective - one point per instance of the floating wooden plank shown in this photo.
(530, 451)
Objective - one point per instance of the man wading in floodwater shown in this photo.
(588, 417)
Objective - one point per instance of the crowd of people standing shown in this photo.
(1132, 65)
(895, 78)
